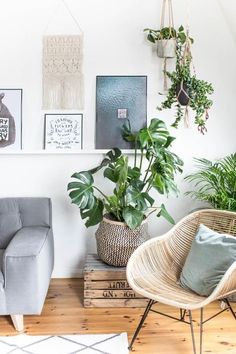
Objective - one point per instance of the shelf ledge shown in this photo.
(45, 152)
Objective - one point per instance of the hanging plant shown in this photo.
(165, 39)
(166, 36)
(186, 89)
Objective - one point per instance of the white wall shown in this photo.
(113, 44)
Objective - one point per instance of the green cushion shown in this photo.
(211, 254)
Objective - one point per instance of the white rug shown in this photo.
(69, 344)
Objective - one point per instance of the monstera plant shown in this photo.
(153, 168)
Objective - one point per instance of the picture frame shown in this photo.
(10, 119)
(63, 131)
(119, 98)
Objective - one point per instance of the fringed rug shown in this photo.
(68, 344)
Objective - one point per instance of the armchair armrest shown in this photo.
(27, 242)
(27, 267)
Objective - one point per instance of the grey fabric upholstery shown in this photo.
(26, 254)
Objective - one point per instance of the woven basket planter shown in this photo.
(116, 242)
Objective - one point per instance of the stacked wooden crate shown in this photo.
(106, 286)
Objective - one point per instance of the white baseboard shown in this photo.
(67, 273)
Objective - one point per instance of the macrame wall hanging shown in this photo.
(63, 86)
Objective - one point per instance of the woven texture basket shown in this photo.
(116, 242)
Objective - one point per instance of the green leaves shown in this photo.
(82, 195)
(215, 182)
(82, 190)
(155, 133)
(156, 35)
(137, 198)
(132, 217)
(163, 212)
(183, 80)
(131, 200)
(111, 156)
(93, 215)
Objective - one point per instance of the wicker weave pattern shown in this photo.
(116, 242)
(154, 268)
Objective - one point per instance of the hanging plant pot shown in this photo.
(116, 241)
(166, 48)
(182, 94)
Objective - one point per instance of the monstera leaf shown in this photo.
(156, 133)
(132, 217)
(82, 190)
(138, 199)
(163, 212)
(127, 133)
(111, 156)
(94, 215)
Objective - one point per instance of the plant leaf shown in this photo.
(94, 214)
(132, 217)
(163, 212)
(82, 190)
(111, 174)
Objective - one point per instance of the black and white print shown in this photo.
(63, 132)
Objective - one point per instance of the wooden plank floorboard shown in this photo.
(63, 313)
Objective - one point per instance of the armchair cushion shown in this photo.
(210, 256)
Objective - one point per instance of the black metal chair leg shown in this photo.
(148, 308)
(230, 308)
(182, 314)
(192, 332)
(201, 329)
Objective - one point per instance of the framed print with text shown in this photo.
(63, 131)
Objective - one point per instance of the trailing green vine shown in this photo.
(186, 85)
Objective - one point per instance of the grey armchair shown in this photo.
(26, 256)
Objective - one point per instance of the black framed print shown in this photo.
(119, 98)
(10, 119)
(63, 131)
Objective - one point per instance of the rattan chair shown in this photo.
(155, 267)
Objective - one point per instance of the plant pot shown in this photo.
(182, 94)
(116, 242)
(166, 48)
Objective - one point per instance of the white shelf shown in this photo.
(45, 152)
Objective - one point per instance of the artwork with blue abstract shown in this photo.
(119, 98)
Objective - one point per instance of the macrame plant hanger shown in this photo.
(63, 86)
(166, 11)
(187, 55)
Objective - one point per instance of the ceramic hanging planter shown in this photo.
(166, 48)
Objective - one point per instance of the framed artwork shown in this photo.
(63, 131)
(10, 119)
(119, 98)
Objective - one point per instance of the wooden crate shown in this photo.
(106, 286)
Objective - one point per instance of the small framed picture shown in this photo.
(63, 131)
(10, 119)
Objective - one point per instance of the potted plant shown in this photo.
(215, 182)
(186, 89)
(122, 215)
(165, 39)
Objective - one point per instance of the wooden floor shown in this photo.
(63, 313)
